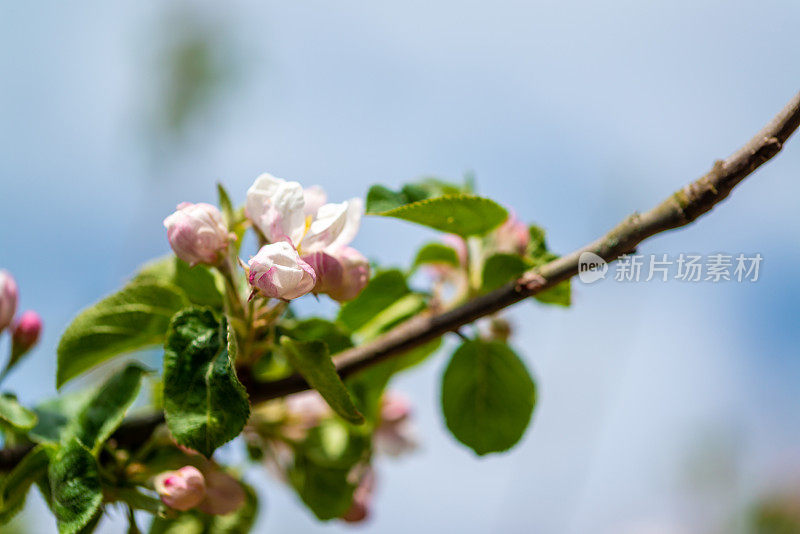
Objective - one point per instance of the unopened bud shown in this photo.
(182, 489)
(355, 274)
(24, 334)
(8, 299)
(277, 271)
(197, 233)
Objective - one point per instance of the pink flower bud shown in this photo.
(395, 435)
(341, 274)
(25, 333)
(182, 489)
(197, 233)
(224, 494)
(8, 299)
(278, 272)
(512, 236)
(355, 274)
(328, 269)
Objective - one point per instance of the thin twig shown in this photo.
(680, 209)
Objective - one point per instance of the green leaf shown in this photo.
(367, 386)
(317, 329)
(436, 253)
(74, 486)
(55, 415)
(537, 245)
(464, 215)
(205, 405)
(134, 318)
(487, 396)
(186, 523)
(225, 205)
(400, 310)
(13, 413)
(104, 411)
(383, 289)
(500, 269)
(380, 198)
(311, 359)
(560, 294)
(201, 285)
(325, 490)
(16, 484)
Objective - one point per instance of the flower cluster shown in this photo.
(26, 328)
(308, 241)
(305, 240)
(393, 435)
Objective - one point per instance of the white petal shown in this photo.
(276, 207)
(327, 226)
(355, 210)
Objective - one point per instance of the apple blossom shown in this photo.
(8, 299)
(395, 435)
(197, 233)
(512, 236)
(182, 489)
(223, 495)
(25, 333)
(277, 271)
(285, 212)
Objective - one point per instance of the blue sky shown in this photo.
(573, 113)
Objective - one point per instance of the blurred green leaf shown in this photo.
(201, 285)
(312, 361)
(537, 245)
(55, 415)
(464, 215)
(383, 290)
(325, 490)
(436, 253)
(16, 484)
(205, 405)
(104, 411)
(402, 309)
(487, 396)
(380, 198)
(135, 317)
(500, 269)
(368, 385)
(13, 413)
(318, 329)
(75, 486)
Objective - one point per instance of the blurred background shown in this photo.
(664, 407)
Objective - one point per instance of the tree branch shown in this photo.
(680, 209)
